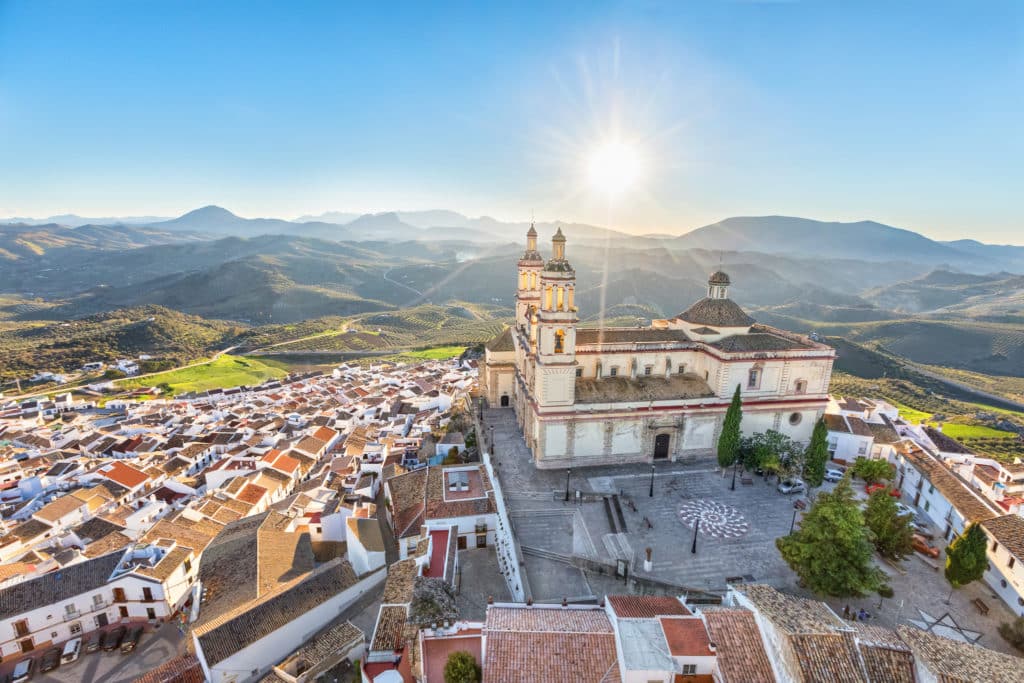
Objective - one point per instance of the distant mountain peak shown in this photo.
(210, 211)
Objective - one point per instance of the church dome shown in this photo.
(718, 278)
(716, 313)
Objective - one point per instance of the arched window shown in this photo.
(561, 299)
(559, 341)
(547, 298)
(801, 386)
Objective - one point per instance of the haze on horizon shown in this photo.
(649, 117)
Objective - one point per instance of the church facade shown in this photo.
(596, 396)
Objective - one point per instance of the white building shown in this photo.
(599, 396)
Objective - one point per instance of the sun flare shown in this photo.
(614, 167)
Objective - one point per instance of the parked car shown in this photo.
(92, 643)
(50, 660)
(834, 474)
(112, 639)
(72, 649)
(791, 486)
(131, 640)
(921, 545)
(22, 671)
(903, 509)
(878, 486)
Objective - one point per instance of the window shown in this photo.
(70, 608)
(648, 369)
(97, 600)
(754, 378)
(75, 628)
(118, 595)
(927, 504)
(613, 372)
(559, 341)
(862, 449)
(150, 613)
(795, 418)
(1012, 561)
(579, 372)
(188, 566)
(319, 529)
(689, 669)
(682, 370)
(26, 645)
(1002, 582)
(123, 612)
(801, 386)
(147, 594)
(995, 546)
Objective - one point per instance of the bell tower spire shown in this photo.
(528, 289)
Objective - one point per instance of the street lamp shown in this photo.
(651, 494)
(568, 472)
(735, 466)
(793, 523)
(696, 527)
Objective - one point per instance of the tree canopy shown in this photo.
(773, 452)
(967, 557)
(831, 551)
(891, 532)
(816, 455)
(872, 469)
(730, 438)
(461, 667)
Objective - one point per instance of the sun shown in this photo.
(614, 167)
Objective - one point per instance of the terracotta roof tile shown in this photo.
(741, 656)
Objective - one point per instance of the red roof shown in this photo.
(325, 434)
(122, 474)
(646, 606)
(686, 637)
(439, 539)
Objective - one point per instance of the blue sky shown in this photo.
(906, 113)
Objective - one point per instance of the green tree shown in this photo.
(872, 469)
(831, 551)
(461, 667)
(1013, 632)
(891, 532)
(967, 557)
(730, 439)
(816, 455)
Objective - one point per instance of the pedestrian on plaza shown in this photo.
(846, 612)
(862, 615)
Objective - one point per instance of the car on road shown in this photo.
(92, 643)
(50, 660)
(834, 474)
(22, 671)
(921, 545)
(131, 640)
(903, 510)
(72, 649)
(112, 639)
(790, 486)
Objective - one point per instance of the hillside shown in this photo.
(166, 335)
(27, 242)
(998, 295)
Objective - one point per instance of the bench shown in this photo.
(747, 481)
(980, 605)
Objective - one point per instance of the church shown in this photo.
(598, 396)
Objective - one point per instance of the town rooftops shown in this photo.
(250, 621)
(945, 444)
(567, 644)
(952, 661)
(646, 606)
(789, 613)
(741, 656)
(1008, 531)
(971, 506)
(54, 588)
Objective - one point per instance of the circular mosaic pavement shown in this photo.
(717, 520)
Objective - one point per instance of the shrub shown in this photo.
(1013, 632)
(461, 667)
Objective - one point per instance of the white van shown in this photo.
(23, 671)
(72, 649)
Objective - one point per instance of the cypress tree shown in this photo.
(729, 440)
(816, 455)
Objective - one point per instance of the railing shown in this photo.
(71, 616)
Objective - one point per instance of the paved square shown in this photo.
(736, 538)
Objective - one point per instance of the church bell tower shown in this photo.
(556, 329)
(528, 290)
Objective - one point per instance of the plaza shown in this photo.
(736, 539)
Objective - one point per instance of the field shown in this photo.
(436, 353)
(225, 371)
(965, 432)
